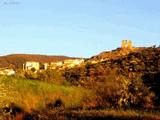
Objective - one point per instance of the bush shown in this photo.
(135, 94)
(120, 92)
(108, 92)
(30, 75)
(57, 104)
(51, 76)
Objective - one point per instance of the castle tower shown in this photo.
(130, 44)
(126, 44)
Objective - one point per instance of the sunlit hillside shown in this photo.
(123, 79)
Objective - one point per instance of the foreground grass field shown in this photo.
(34, 95)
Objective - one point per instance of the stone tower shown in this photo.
(126, 44)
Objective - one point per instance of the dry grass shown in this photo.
(114, 114)
(34, 95)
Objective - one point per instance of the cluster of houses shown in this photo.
(33, 65)
(69, 63)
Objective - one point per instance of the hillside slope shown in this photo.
(115, 54)
(137, 66)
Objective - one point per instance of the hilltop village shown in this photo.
(37, 66)
(126, 47)
(70, 63)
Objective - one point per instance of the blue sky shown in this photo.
(79, 28)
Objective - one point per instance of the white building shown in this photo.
(30, 65)
(46, 65)
(54, 65)
(7, 72)
(73, 62)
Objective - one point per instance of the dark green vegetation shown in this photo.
(123, 86)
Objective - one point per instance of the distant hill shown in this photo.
(17, 60)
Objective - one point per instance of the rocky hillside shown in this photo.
(137, 71)
(115, 54)
(143, 63)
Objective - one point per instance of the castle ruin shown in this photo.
(127, 44)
